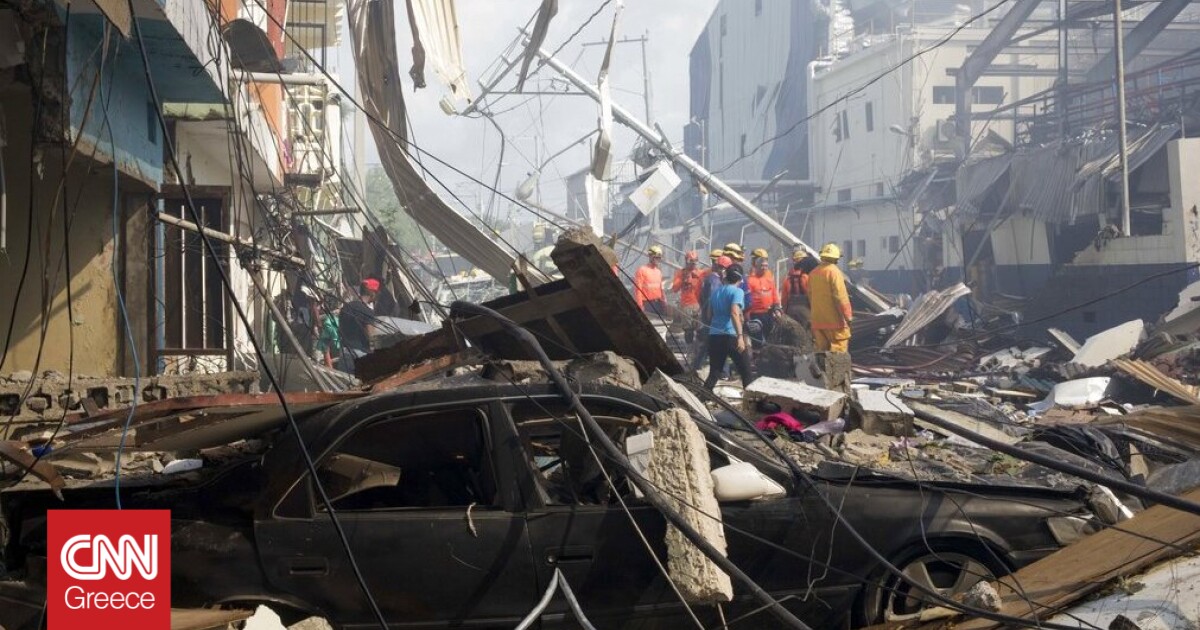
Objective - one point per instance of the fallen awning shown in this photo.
(371, 30)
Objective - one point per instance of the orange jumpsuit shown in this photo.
(763, 293)
(647, 285)
(831, 312)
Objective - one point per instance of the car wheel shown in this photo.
(949, 573)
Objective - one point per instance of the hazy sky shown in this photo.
(544, 125)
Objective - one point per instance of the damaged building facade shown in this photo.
(935, 143)
(104, 269)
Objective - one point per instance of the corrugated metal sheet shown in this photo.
(974, 180)
(1060, 182)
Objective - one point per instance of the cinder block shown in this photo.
(796, 398)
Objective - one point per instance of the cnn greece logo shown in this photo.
(122, 557)
(113, 569)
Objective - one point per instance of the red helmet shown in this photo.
(725, 261)
(371, 284)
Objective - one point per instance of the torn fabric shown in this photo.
(597, 200)
(374, 48)
(435, 30)
(602, 157)
(546, 13)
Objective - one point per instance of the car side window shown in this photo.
(561, 459)
(437, 459)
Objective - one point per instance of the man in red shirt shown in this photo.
(764, 296)
(687, 284)
(648, 285)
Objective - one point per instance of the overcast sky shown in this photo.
(544, 125)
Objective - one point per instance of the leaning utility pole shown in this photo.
(698, 172)
(1119, 54)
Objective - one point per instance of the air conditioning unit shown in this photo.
(947, 131)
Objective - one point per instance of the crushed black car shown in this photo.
(460, 503)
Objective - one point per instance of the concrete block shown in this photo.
(881, 413)
(808, 401)
(662, 386)
(38, 403)
(680, 467)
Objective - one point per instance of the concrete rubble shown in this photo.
(834, 417)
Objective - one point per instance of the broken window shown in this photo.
(844, 195)
(848, 249)
(565, 466)
(987, 95)
(191, 295)
(436, 459)
(894, 244)
(943, 94)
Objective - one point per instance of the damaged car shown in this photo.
(462, 498)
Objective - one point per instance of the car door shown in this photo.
(432, 527)
(577, 525)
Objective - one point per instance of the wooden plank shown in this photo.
(543, 304)
(206, 618)
(1069, 574)
(420, 371)
(531, 309)
(387, 361)
(617, 315)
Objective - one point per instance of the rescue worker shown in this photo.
(795, 287)
(648, 285)
(356, 324)
(687, 284)
(727, 336)
(735, 253)
(711, 282)
(831, 312)
(764, 296)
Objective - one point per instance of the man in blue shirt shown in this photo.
(726, 333)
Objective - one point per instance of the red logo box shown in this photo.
(108, 569)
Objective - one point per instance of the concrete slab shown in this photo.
(789, 395)
(883, 413)
(680, 467)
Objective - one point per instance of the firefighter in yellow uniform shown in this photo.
(831, 313)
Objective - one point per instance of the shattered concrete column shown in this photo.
(679, 467)
(836, 366)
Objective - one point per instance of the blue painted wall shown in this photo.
(123, 90)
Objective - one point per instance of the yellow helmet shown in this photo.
(655, 250)
(799, 255)
(831, 251)
(734, 251)
(716, 253)
(760, 253)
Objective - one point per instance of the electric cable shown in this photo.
(651, 494)
(800, 476)
(212, 253)
(404, 144)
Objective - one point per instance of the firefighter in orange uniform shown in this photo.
(764, 295)
(831, 312)
(648, 285)
(687, 284)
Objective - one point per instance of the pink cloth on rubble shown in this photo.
(781, 419)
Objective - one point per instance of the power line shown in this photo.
(212, 253)
(864, 86)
